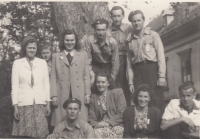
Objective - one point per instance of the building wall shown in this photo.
(174, 64)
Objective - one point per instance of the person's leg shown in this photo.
(173, 132)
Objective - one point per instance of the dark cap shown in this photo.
(132, 13)
(71, 100)
(100, 21)
(27, 39)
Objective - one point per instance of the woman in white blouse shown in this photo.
(30, 92)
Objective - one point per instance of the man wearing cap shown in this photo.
(146, 58)
(72, 127)
(119, 32)
(102, 51)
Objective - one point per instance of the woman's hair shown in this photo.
(46, 45)
(145, 88)
(103, 74)
(27, 40)
(62, 37)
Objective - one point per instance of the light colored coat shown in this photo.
(22, 92)
(65, 76)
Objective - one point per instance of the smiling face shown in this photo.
(186, 97)
(117, 17)
(31, 50)
(69, 42)
(102, 83)
(46, 54)
(137, 22)
(143, 99)
(101, 31)
(73, 111)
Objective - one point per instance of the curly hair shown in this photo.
(27, 40)
(62, 37)
(145, 88)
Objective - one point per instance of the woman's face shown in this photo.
(102, 83)
(46, 54)
(69, 42)
(31, 50)
(143, 98)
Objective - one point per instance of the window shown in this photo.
(185, 59)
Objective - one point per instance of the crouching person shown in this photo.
(181, 116)
(72, 127)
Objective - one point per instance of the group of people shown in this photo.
(83, 91)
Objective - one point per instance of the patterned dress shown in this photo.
(108, 132)
(140, 124)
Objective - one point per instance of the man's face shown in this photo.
(117, 17)
(46, 54)
(101, 31)
(186, 97)
(137, 22)
(73, 111)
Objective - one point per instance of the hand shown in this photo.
(87, 99)
(161, 82)
(103, 124)
(131, 88)
(48, 109)
(189, 122)
(16, 112)
(128, 39)
(92, 77)
(55, 101)
(52, 136)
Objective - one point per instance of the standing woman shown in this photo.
(30, 92)
(70, 76)
(142, 120)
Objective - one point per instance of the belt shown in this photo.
(101, 65)
(145, 62)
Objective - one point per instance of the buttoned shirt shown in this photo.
(80, 130)
(175, 110)
(147, 47)
(120, 35)
(103, 53)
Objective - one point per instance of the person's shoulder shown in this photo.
(197, 103)
(84, 124)
(61, 125)
(129, 109)
(116, 91)
(40, 60)
(112, 40)
(19, 60)
(154, 109)
(174, 102)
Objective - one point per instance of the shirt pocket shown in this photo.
(148, 47)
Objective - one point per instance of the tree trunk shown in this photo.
(79, 15)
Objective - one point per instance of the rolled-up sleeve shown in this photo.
(129, 70)
(115, 60)
(169, 112)
(15, 83)
(160, 55)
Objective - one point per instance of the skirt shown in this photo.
(32, 123)
(111, 132)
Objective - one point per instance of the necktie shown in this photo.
(69, 57)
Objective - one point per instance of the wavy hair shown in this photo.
(62, 37)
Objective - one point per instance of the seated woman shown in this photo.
(142, 120)
(106, 109)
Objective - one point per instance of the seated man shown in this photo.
(181, 116)
(72, 127)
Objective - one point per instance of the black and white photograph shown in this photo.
(100, 69)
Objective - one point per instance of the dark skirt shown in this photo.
(32, 123)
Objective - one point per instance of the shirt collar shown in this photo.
(146, 31)
(106, 40)
(122, 27)
(194, 106)
(77, 125)
(71, 53)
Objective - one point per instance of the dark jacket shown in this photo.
(115, 103)
(153, 130)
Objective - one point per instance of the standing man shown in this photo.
(146, 58)
(119, 32)
(102, 51)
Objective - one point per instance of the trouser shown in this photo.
(121, 80)
(147, 73)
